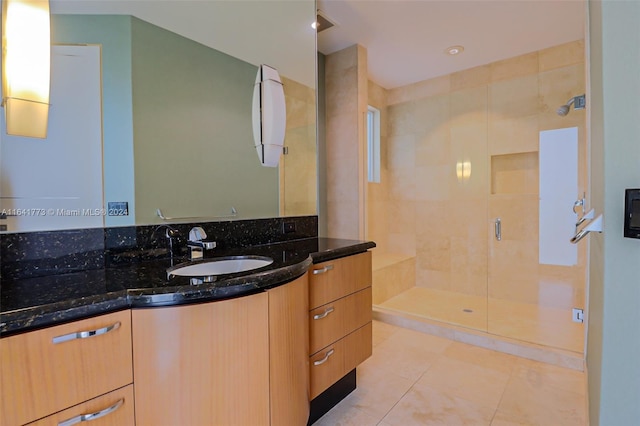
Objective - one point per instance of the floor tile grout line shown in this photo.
(404, 394)
(504, 391)
(396, 403)
(501, 397)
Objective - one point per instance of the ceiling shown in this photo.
(273, 32)
(406, 40)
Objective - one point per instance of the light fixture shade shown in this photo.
(269, 116)
(26, 66)
(463, 171)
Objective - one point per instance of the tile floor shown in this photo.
(419, 379)
(542, 325)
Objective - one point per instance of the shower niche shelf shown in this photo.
(514, 173)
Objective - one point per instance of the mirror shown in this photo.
(176, 90)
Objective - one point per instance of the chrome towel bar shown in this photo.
(234, 213)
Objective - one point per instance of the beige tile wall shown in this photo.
(346, 102)
(377, 197)
(489, 116)
(298, 169)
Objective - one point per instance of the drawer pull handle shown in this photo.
(86, 334)
(323, 360)
(322, 270)
(92, 416)
(324, 314)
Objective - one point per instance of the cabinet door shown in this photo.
(112, 409)
(55, 368)
(204, 364)
(289, 352)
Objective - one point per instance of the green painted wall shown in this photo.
(614, 289)
(188, 108)
(194, 149)
(113, 33)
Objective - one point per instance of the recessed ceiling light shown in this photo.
(454, 50)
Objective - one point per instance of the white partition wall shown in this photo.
(558, 191)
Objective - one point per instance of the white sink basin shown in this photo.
(223, 265)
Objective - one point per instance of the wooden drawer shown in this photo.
(112, 409)
(358, 346)
(335, 279)
(49, 370)
(333, 362)
(335, 320)
(326, 367)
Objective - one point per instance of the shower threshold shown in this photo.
(549, 355)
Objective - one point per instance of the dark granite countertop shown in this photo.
(30, 303)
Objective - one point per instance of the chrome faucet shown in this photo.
(198, 244)
(170, 233)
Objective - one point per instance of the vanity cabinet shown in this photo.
(49, 370)
(257, 359)
(230, 362)
(340, 319)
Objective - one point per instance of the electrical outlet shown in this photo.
(288, 227)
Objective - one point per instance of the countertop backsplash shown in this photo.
(37, 254)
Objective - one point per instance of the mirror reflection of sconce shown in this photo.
(26, 66)
(269, 116)
(463, 171)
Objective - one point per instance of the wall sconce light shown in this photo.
(463, 171)
(26, 66)
(269, 116)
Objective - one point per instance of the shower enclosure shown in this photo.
(479, 176)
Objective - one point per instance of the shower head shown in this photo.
(578, 102)
(564, 109)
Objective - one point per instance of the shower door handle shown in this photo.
(577, 204)
(498, 229)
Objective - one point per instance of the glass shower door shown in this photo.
(536, 276)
